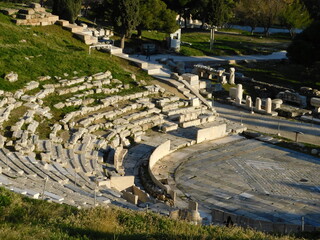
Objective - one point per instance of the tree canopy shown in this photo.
(154, 15)
(67, 9)
(124, 16)
(305, 47)
(294, 16)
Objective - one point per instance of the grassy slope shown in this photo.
(24, 218)
(51, 51)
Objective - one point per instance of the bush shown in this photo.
(305, 47)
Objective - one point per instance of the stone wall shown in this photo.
(161, 151)
(211, 133)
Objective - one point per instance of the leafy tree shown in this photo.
(269, 12)
(305, 47)
(124, 16)
(219, 12)
(313, 7)
(67, 9)
(248, 11)
(154, 15)
(294, 16)
(182, 7)
(199, 11)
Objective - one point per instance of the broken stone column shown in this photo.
(268, 105)
(258, 104)
(276, 103)
(223, 79)
(232, 75)
(248, 101)
(239, 94)
(193, 213)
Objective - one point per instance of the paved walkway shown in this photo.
(176, 58)
(268, 124)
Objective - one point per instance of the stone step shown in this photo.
(63, 23)
(116, 50)
(8, 11)
(73, 28)
(152, 70)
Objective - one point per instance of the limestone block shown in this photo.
(192, 123)
(176, 76)
(202, 84)
(8, 11)
(211, 133)
(44, 23)
(315, 102)
(192, 79)
(53, 18)
(233, 93)
(142, 195)
(59, 105)
(195, 102)
(11, 77)
(130, 197)
(18, 94)
(276, 103)
(121, 182)
(23, 16)
(28, 11)
(35, 5)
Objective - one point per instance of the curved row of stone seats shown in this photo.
(8, 167)
(165, 101)
(42, 169)
(15, 164)
(178, 111)
(97, 80)
(110, 115)
(22, 165)
(105, 103)
(54, 192)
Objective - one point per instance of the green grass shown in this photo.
(280, 73)
(225, 43)
(54, 52)
(24, 218)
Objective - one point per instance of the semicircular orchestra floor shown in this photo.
(250, 178)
